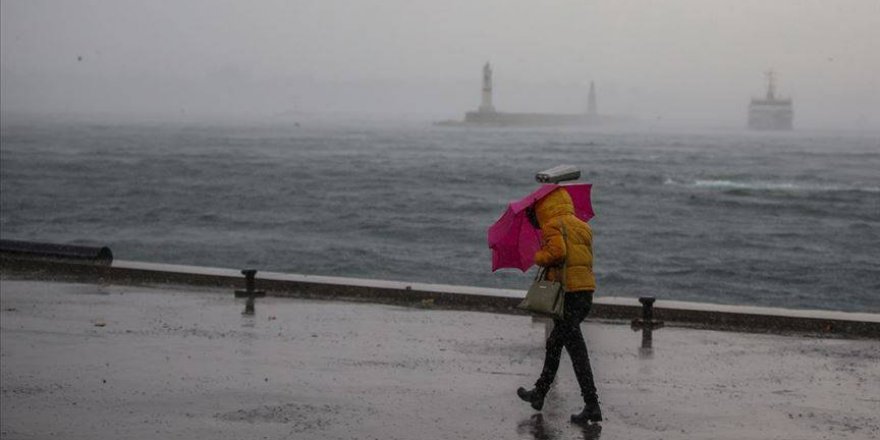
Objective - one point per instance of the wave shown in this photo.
(759, 185)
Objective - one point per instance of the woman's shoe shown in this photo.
(591, 413)
(531, 396)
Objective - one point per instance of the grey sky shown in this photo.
(684, 60)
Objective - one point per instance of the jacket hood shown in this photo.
(553, 205)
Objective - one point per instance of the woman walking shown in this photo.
(566, 239)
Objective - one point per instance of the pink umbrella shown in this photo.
(514, 240)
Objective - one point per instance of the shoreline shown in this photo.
(750, 319)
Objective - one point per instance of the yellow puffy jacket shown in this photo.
(553, 211)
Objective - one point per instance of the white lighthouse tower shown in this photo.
(592, 110)
(486, 103)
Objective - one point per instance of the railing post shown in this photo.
(250, 291)
(647, 324)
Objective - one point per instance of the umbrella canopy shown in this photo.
(514, 240)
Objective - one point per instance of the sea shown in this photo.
(786, 219)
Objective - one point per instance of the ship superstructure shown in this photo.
(770, 112)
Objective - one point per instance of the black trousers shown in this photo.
(567, 333)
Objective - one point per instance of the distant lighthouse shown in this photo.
(486, 103)
(486, 114)
(591, 101)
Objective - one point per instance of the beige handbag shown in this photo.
(546, 297)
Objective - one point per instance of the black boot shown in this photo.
(591, 413)
(535, 397)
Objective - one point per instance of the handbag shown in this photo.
(546, 297)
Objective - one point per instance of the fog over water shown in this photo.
(685, 62)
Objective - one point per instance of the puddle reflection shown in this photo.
(535, 427)
(591, 432)
(248, 336)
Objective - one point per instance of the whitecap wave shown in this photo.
(772, 186)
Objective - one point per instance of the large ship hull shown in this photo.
(770, 115)
(770, 112)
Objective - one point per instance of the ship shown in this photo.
(487, 115)
(770, 112)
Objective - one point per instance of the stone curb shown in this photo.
(678, 313)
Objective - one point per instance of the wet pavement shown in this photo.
(80, 361)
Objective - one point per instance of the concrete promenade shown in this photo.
(91, 361)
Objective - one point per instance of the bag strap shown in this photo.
(565, 257)
(539, 275)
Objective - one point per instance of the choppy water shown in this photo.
(788, 219)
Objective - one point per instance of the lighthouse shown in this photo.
(591, 101)
(486, 103)
(486, 114)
